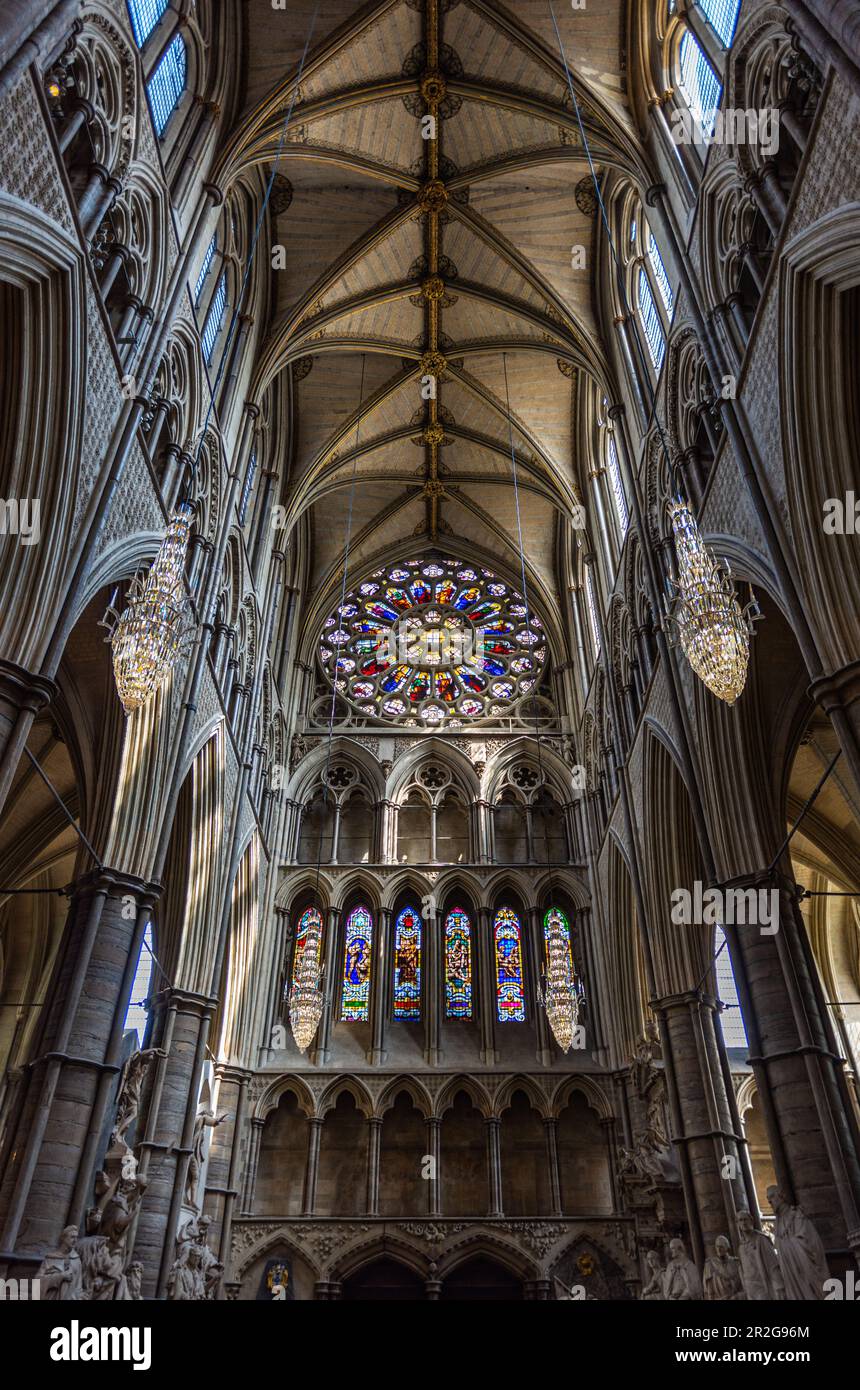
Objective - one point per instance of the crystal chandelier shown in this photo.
(306, 997)
(707, 618)
(146, 638)
(563, 993)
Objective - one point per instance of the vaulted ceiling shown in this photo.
(410, 258)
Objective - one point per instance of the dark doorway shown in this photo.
(383, 1280)
(484, 1280)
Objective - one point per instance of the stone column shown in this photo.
(486, 987)
(252, 1158)
(54, 1140)
(434, 1152)
(22, 696)
(315, 1124)
(494, 1164)
(608, 1127)
(374, 1148)
(433, 987)
(808, 1111)
(703, 1134)
(222, 1169)
(551, 1131)
(483, 832)
(379, 989)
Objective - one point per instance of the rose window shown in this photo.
(433, 643)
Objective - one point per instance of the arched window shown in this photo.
(308, 933)
(205, 269)
(698, 82)
(591, 600)
(556, 920)
(731, 1021)
(458, 964)
(215, 317)
(660, 275)
(136, 1014)
(167, 83)
(407, 964)
(145, 15)
(510, 988)
(722, 15)
(247, 487)
(618, 496)
(437, 642)
(355, 1007)
(650, 315)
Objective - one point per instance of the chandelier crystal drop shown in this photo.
(707, 618)
(306, 997)
(563, 993)
(146, 638)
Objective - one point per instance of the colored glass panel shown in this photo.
(407, 964)
(510, 991)
(357, 966)
(458, 965)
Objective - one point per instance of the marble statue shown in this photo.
(131, 1084)
(653, 1290)
(185, 1281)
(801, 1253)
(133, 1281)
(760, 1271)
(60, 1274)
(205, 1119)
(195, 1235)
(681, 1280)
(722, 1277)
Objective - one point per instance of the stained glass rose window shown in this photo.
(433, 643)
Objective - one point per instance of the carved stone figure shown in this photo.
(722, 1277)
(60, 1274)
(801, 1253)
(133, 1280)
(681, 1282)
(760, 1271)
(653, 1289)
(205, 1119)
(644, 1069)
(194, 1235)
(130, 1087)
(185, 1282)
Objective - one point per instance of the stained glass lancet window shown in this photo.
(144, 16)
(310, 918)
(458, 964)
(435, 642)
(556, 919)
(407, 964)
(510, 991)
(356, 966)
